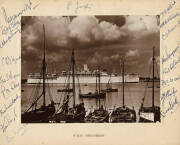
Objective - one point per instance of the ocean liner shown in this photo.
(85, 77)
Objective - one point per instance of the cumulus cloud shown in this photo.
(131, 53)
(140, 26)
(110, 31)
(117, 20)
(98, 40)
(55, 28)
(81, 27)
(90, 29)
(115, 57)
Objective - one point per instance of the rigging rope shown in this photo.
(47, 86)
(66, 86)
(147, 84)
(34, 103)
(132, 102)
(57, 110)
(79, 87)
(36, 92)
(157, 67)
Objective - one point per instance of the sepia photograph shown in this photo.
(90, 69)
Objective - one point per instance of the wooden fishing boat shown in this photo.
(65, 90)
(93, 95)
(109, 87)
(110, 90)
(99, 115)
(34, 114)
(75, 114)
(97, 94)
(152, 113)
(124, 113)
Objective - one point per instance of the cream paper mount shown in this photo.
(11, 56)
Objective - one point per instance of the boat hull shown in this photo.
(98, 116)
(93, 95)
(123, 114)
(70, 115)
(38, 116)
(110, 90)
(149, 114)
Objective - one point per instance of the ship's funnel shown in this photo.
(86, 67)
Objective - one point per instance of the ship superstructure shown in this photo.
(85, 76)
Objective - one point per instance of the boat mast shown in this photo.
(99, 80)
(96, 81)
(44, 70)
(73, 76)
(153, 59)
(99, 85)
(123, 79)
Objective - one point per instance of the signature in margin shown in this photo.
(170, 67)
(167, 55)
(166, 82)
(169, 19)
(13, 23)
(172, 106)
(4, 108)
(7, 120)
(79, 6)
(166, 10)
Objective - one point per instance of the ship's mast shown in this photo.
(153, 59)
(99, 85)
(44, 70)
(73, 76)
(96, 81)
(123, 79)
(99, 75)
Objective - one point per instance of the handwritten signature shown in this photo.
(172, 106)
(166, 10)
(4, 108)
(8, 76)
(170, 18)
(166, 82)
(9, 60)
(170, 67)
(168, 55)
(13, 23)
(166, 34)
(8, 119)
(167, 93)
(85, 5)
(169, 101)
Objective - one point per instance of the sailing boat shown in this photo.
(41, 114)
(99, 115)
(97, 94)
(65, 90)
(76, 114)
(109, 87)
(124, 113)
(150, 114)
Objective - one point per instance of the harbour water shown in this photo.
(134, 92)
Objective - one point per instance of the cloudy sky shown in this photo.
(97, 40)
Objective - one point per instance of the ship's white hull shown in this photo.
(86, 80)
